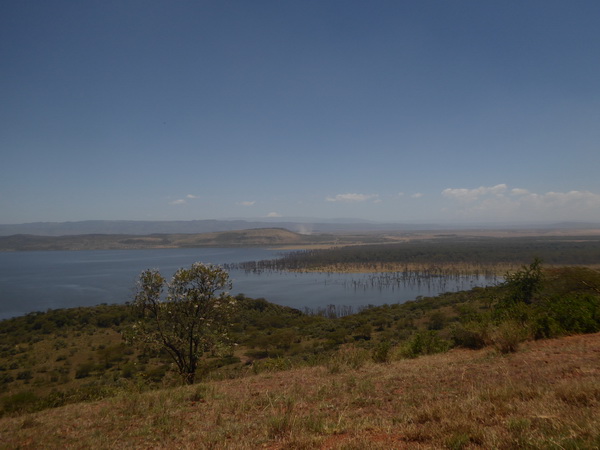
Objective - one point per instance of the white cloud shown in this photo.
(246, 203)
(183, 201)
(521, 204)
(568, 199)
(273, 214)
(417, 195)
(517, 191)
(469, 195)
(352, 198)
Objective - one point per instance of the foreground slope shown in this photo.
(547, 395)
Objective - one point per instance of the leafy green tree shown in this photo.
(189, 320)
(525, 284)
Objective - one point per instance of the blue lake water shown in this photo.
(38, 281)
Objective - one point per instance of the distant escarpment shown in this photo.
(253, 237)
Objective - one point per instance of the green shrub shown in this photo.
(55, 399)
(348, 357)
(24, 375)
(156, 374)
(473, 335)
(424, 343)
(553, 303)
(6, 378)
(525, 284)
(576, 313)
(544, 327)
(128, 370)
(84, 370)
(381, 353)
(271, 365)
(363, 332)
(437, 321)
(566, 314)
(20, 402)
(507, 336)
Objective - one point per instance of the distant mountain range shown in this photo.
(191, 226)
(140, 227)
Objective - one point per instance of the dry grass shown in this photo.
(547, 395)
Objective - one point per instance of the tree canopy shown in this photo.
(186, 316)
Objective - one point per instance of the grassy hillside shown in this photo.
(472, 246)
(545, 396)
(254, 237)
(331, 378)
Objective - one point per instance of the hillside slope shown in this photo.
(252, 237)
(547, 395)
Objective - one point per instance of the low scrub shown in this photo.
(458, 399)
(66, 356)
(423, 343)
(349, 357)
(508, 335)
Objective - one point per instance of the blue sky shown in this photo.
(463, 111)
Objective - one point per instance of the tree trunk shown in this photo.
(190, 377)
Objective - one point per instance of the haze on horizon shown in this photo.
(414, 111)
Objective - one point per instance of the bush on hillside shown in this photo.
(424, 343)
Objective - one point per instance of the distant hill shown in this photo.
(252, 237)
(303, 226)
(137, 227)
(142, 227)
